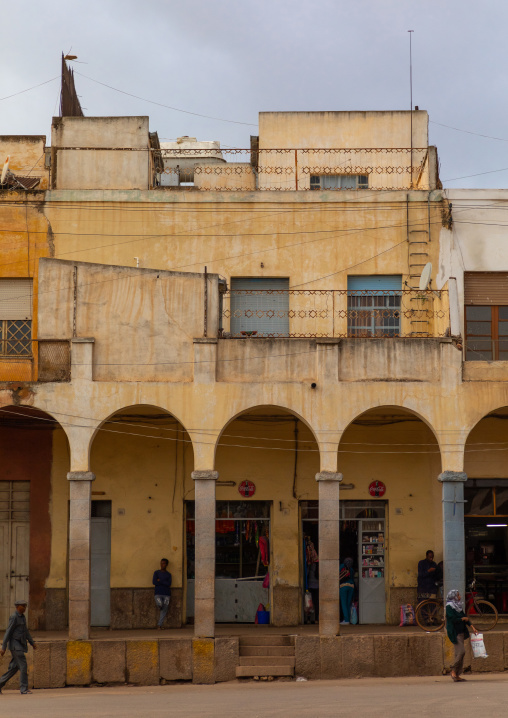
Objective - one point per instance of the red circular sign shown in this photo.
(247, 488)
(377, 489)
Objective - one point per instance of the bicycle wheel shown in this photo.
(430, 615)
(483, 615)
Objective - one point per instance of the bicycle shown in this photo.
(430, 613)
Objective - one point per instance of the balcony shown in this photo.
(331, 313)
(27, 360)
(289, 169)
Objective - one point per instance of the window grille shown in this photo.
(339, 181)
(16, 337)
(374, 306)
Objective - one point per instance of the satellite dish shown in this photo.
(4, 171)
(425, 277)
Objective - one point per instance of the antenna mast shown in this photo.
(411, 98)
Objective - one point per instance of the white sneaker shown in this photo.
(344, 623)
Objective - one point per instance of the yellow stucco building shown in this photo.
(192, 336)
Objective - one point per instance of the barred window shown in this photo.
(16, 317)
(339, 181)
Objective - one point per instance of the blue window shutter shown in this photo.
(375, 282)
(265, 313)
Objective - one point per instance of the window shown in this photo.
(373, 305)
(339, 182)
(486, 315)
(15, 317)
(486, 333)
(486, 497)
(259, 307)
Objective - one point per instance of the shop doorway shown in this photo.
(242, 555)
(362, 538)
(14, 545)
(486, 538)
(100, 564)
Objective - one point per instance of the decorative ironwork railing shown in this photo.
(334, 313)
(283, 169)
(295, 169)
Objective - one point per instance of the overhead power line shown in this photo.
(30, 88)
(469, 132)
(167, 107)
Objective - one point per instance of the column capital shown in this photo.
(80, 476)
(329, 476)
(457, 476)
(206, 475)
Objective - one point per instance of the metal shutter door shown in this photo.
(265, 313)
(16, 298)
(380, 282)
(486, 288)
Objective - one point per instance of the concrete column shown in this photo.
(80, 492)
(329, 555)
(82, 358)
(204, 585)
(454, 554)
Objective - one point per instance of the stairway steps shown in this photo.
(264, 670)
(267, 641)
(267, 651)
(273, 660)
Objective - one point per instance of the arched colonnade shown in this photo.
(294, 461)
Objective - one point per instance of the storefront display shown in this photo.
(486, 534)
(362, 538)
(242, 557)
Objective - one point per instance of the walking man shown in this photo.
(162, 582)
(17, 637)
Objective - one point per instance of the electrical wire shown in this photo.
(7, 97)
(245, 446)
(168, 107)
(468, 132)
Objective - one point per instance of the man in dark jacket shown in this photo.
(427, 577)
(162, 582)
(17, 636)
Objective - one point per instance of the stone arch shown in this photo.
(143, 457)
(396, 446)
(485, 449)
(35, 449)
(276, 450)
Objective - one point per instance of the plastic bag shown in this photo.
(308, 603)
(354, 614)
(266, 582)
(478, 646)
(407, 615)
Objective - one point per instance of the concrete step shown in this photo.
(267, 651)
(267, 640)
(264, 670)
(274, 660)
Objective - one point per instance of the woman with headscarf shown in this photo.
(456, 628)
(346, 588)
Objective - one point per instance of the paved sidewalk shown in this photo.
(484, 695)
(237, 629)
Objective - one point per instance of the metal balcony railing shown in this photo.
(334, 313)
(47, 360)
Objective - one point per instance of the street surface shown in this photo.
(483, 695)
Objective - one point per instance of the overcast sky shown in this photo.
(231, 59)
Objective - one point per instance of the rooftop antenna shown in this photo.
(411, 98)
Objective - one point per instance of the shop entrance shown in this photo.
(486, 534)
(242, 555)
(15, 545)
(362, 538)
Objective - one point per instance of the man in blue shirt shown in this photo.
(427, 577)
(162, 582)
(17, 636)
